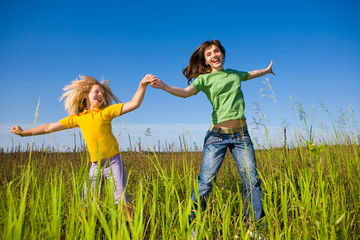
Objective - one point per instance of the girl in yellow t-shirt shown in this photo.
(89, 104)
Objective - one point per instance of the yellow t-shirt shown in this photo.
(95, 125)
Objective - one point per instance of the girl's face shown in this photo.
(214, 58)
(96, 97)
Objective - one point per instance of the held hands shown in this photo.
(17, 130)
(153, 80)
(147, 79)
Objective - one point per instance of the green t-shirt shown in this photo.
(223, 89)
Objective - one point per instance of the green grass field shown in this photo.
(310, 192)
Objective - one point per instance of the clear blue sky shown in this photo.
(44, 45)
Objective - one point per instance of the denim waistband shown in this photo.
(228, 130)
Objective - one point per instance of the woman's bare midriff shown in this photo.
(231, 124)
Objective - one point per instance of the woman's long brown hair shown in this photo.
(197, 65)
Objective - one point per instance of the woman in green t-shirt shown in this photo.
(228, 123)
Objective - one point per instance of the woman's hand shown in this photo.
(157, 83)
(269, 68)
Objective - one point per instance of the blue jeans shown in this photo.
(241, 147)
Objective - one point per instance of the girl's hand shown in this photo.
(16, 130)
(269, 68)
(157, 83)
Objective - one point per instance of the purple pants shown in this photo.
(114, 170)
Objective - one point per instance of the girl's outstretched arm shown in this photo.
(138, 96)
(176, 91)
(262, 72)
(42, 129)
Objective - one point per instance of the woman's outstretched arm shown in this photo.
(262, 72)
(42, 129)
(176, 91)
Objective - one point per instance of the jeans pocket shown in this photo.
(244, 137)
(212, 138)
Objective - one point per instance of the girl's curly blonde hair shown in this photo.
(75, 93)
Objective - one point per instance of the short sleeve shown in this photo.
(243, 75)
(112, 111)
(69, 121)
(198, 84)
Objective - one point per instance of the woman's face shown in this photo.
(214, 58)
